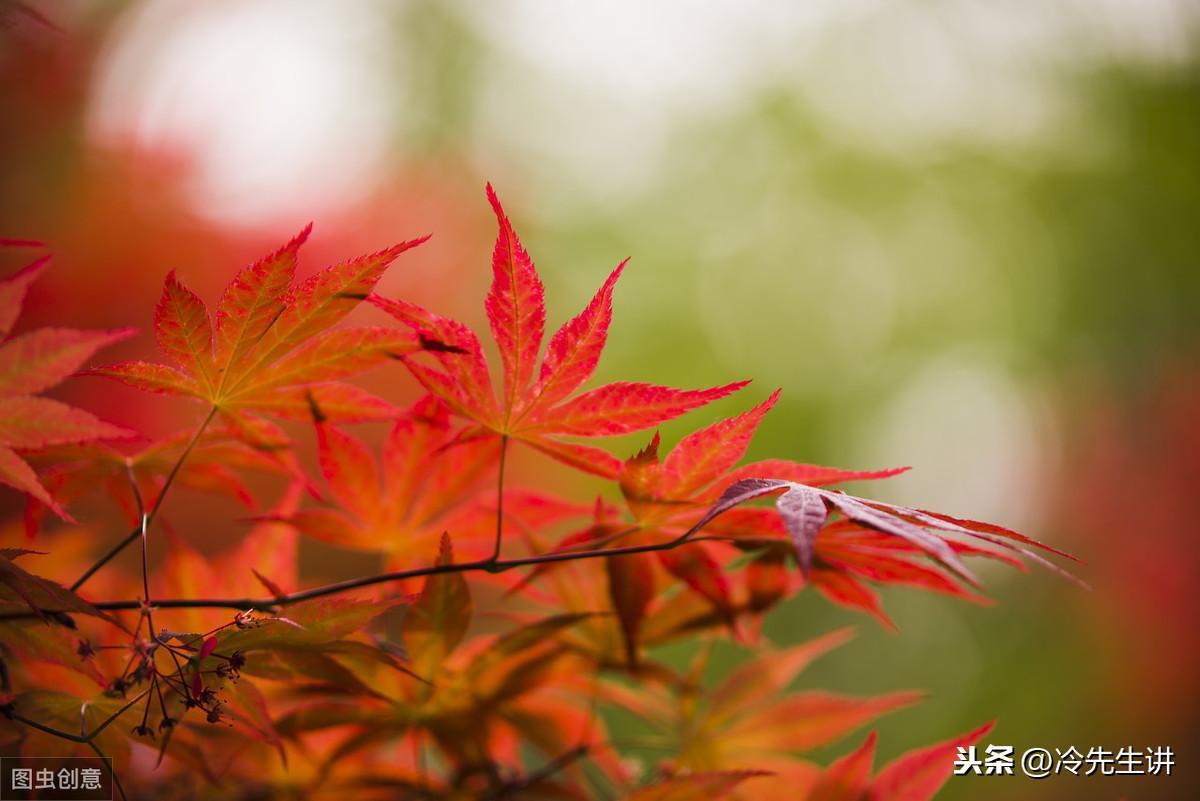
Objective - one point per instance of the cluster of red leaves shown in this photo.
(29, 364)
(405, 691)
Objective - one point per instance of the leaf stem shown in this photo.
(132, 702)
(111, 771)
(141, 507)
(500, 500)
(137, 532)
(75, 738)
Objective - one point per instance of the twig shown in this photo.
(75, 738)
(133, 535)
(111, 772)
(137, 496)
(132, 702)
(544, 772)
(485, 565)
(62, 735)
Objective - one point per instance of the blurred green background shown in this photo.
(960, 235)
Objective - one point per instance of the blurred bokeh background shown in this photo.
(960, 235)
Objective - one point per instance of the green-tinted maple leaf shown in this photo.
(696, 786)
(438, 621)
(309, 625)
(71, 714)
(271, 350)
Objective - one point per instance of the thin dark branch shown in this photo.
(137, 532)
(63, 735)
(84, 738)
(556, 765)
(96, 732)
(108, 557)
(141, 507)
(484, 565)
(111, 771)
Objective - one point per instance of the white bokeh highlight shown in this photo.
(977, 442)
(280, 109)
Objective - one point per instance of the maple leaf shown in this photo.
(914, 776)
(631, 590)
(477, 698)
(439, 619)
(70, 713)
(303, 644)
(214, 465)
(749, 722)
(29, 364)
(538, 411)
(271, 350)
(696, 786)
(33, 641)
(19, 587)
(401, 502)
(912, 526)
(847, 778)
(666, 497)
(846, 557)
(311, 624)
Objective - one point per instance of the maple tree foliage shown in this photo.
(29, 364)
(505, 622)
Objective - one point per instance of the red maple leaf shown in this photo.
(33, 362)
(271, 350)
(914, 776)
(667, 496)
(214, 465)
(846, 558)
(402, 502)
(538, 411)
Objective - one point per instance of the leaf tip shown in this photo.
(650, 452)
(445, 549)
(302, 237)
(32, 270)
(314, 409)
(388, 254)
(494, 201)
(980, 731)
